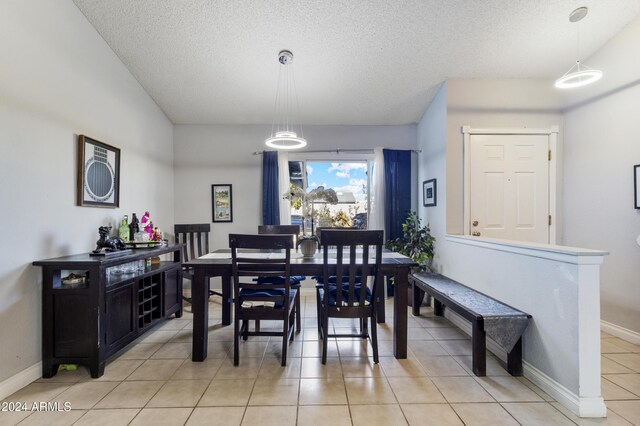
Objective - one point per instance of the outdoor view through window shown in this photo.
(349, 180)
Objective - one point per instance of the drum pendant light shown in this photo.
(286, 132)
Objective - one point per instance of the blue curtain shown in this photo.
(397, 190)
(270, 189)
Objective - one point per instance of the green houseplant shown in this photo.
(416, 243)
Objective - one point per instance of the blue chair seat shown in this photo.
(345, 294)
(246, 293)
(333, 279)
(293, 280)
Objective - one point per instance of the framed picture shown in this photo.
(98, 173)
(636, 186)
(429, 193)
(222, 203)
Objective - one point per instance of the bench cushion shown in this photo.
(503, 323)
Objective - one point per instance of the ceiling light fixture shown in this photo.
(579, 74)
(283, 134)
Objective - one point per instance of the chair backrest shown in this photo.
(265, 256)
(279, 229)
(320, 229)
(355, 263)
(196, 238)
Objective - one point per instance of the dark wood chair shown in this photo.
(196, 240)
(255, 301)
(319, 279)
(296, 280)
(349, 297)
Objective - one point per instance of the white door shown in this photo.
(509, 187)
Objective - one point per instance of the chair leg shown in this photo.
(319, 311)
(236, 342)
(245, 329)
(298, 312)
(325, 336)
(285, 340)
(363, 328)
(374, 338)
(291, 321)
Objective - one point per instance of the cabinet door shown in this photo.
(172, 289)
(120, 317)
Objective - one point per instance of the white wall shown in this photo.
(432, 161)
(602, 144)
(214, 154)
(59, 79)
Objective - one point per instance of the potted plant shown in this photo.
(416, 243)
(305, 201)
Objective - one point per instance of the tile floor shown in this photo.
(153, 381)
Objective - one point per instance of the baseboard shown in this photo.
(20, 380)
(621, 332)
(583, 407)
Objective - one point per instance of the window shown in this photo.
(349, 179)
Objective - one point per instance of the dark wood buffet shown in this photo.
(94, 306)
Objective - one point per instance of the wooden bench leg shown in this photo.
(418, 295)
(514, 359)
(479, 350)
(437, 308)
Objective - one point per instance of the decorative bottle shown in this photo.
(146, 224)
(133, 226)
(123, 231)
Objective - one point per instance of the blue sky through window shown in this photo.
(342, 177)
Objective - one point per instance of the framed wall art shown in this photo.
(429, 193)
(222, 203)
(636, 186)
(98, 174)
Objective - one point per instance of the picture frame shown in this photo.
(429, 194)
(222, 202)
(98, 183)
(636, 186)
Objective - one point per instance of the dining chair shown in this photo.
(255, 301)
(295, 280)
(195, 237)
(354, 299)
(319, 279)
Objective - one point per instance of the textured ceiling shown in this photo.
(356, 61)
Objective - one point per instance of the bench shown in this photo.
(488, 316)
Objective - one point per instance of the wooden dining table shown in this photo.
(218, 264)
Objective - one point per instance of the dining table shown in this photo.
(218, 264)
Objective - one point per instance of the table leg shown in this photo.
(200, 307)
(400, 313)
(226, 299)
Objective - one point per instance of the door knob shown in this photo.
(475, 233)
(475, 223)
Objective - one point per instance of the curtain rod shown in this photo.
(337, 151)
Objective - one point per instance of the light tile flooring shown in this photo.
(153, 381)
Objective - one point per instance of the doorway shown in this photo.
(510, 184)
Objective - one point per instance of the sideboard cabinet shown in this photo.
(111, 302)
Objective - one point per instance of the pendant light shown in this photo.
(579, 74)
(283, 130)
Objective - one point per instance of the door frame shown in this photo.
(551, 132)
